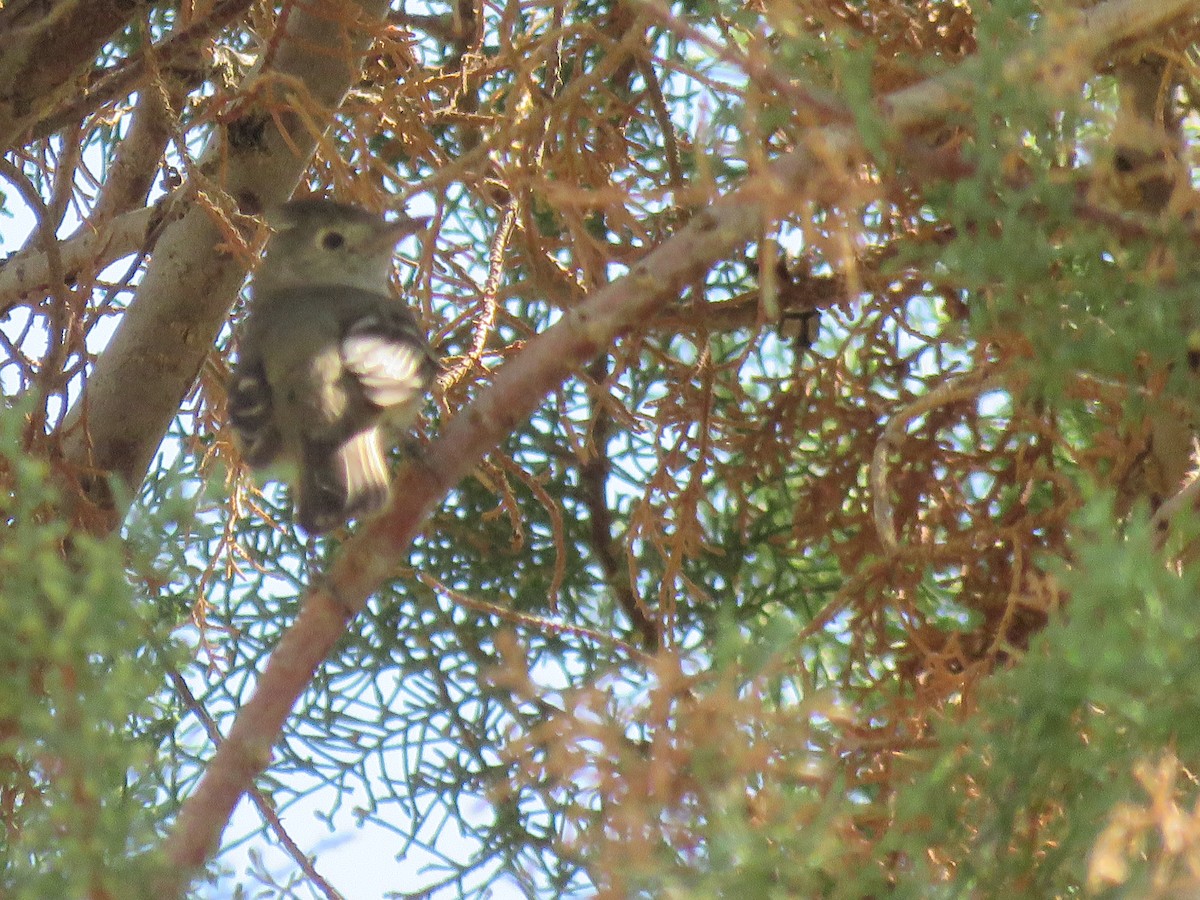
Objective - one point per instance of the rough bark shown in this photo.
(1148, 172)
(47, 45)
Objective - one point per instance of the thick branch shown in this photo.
(520, 386)
(177, 55)
(1149, 171)
(46, 47)
(135, 164)
(141, 379)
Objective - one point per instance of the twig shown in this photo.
(488, 300)
(123, 79)
(260, 801)
(29, 272)
(892, 438)
(593, 484)
(819, 107)
(666, 127)
(533, 623)
(367, 560)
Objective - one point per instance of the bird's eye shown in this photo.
(331, 240)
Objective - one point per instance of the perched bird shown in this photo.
(328, 358)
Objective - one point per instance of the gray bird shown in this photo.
(328, 358)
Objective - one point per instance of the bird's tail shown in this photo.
(341, 482)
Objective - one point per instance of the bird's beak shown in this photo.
(396, 230)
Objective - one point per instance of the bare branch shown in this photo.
(593, 488)
(29, 272)
(175, 53)
(265, 809)
(139, 155)
(367, 559)
(45, 49)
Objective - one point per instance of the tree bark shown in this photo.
(47, 45)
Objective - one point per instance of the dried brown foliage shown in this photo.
(629, 204)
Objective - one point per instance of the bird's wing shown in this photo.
(252, 414)
(387, 354)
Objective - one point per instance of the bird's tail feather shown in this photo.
(342, 482)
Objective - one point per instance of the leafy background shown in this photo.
(863, 564)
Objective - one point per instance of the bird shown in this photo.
(330, 362)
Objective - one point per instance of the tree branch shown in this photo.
(46, 47)
(30, 272)
(176, 54)
(593, 488)
(367, 560)
(265, 808)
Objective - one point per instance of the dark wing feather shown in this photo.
(251, 412)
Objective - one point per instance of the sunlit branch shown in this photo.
(367, 560)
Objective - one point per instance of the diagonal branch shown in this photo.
(46, 46)
(29, 272)
(175, 54)
(367, 560)
(265, 809)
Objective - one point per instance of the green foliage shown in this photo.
(78, 674)
(1019, 791)
(826, 714)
